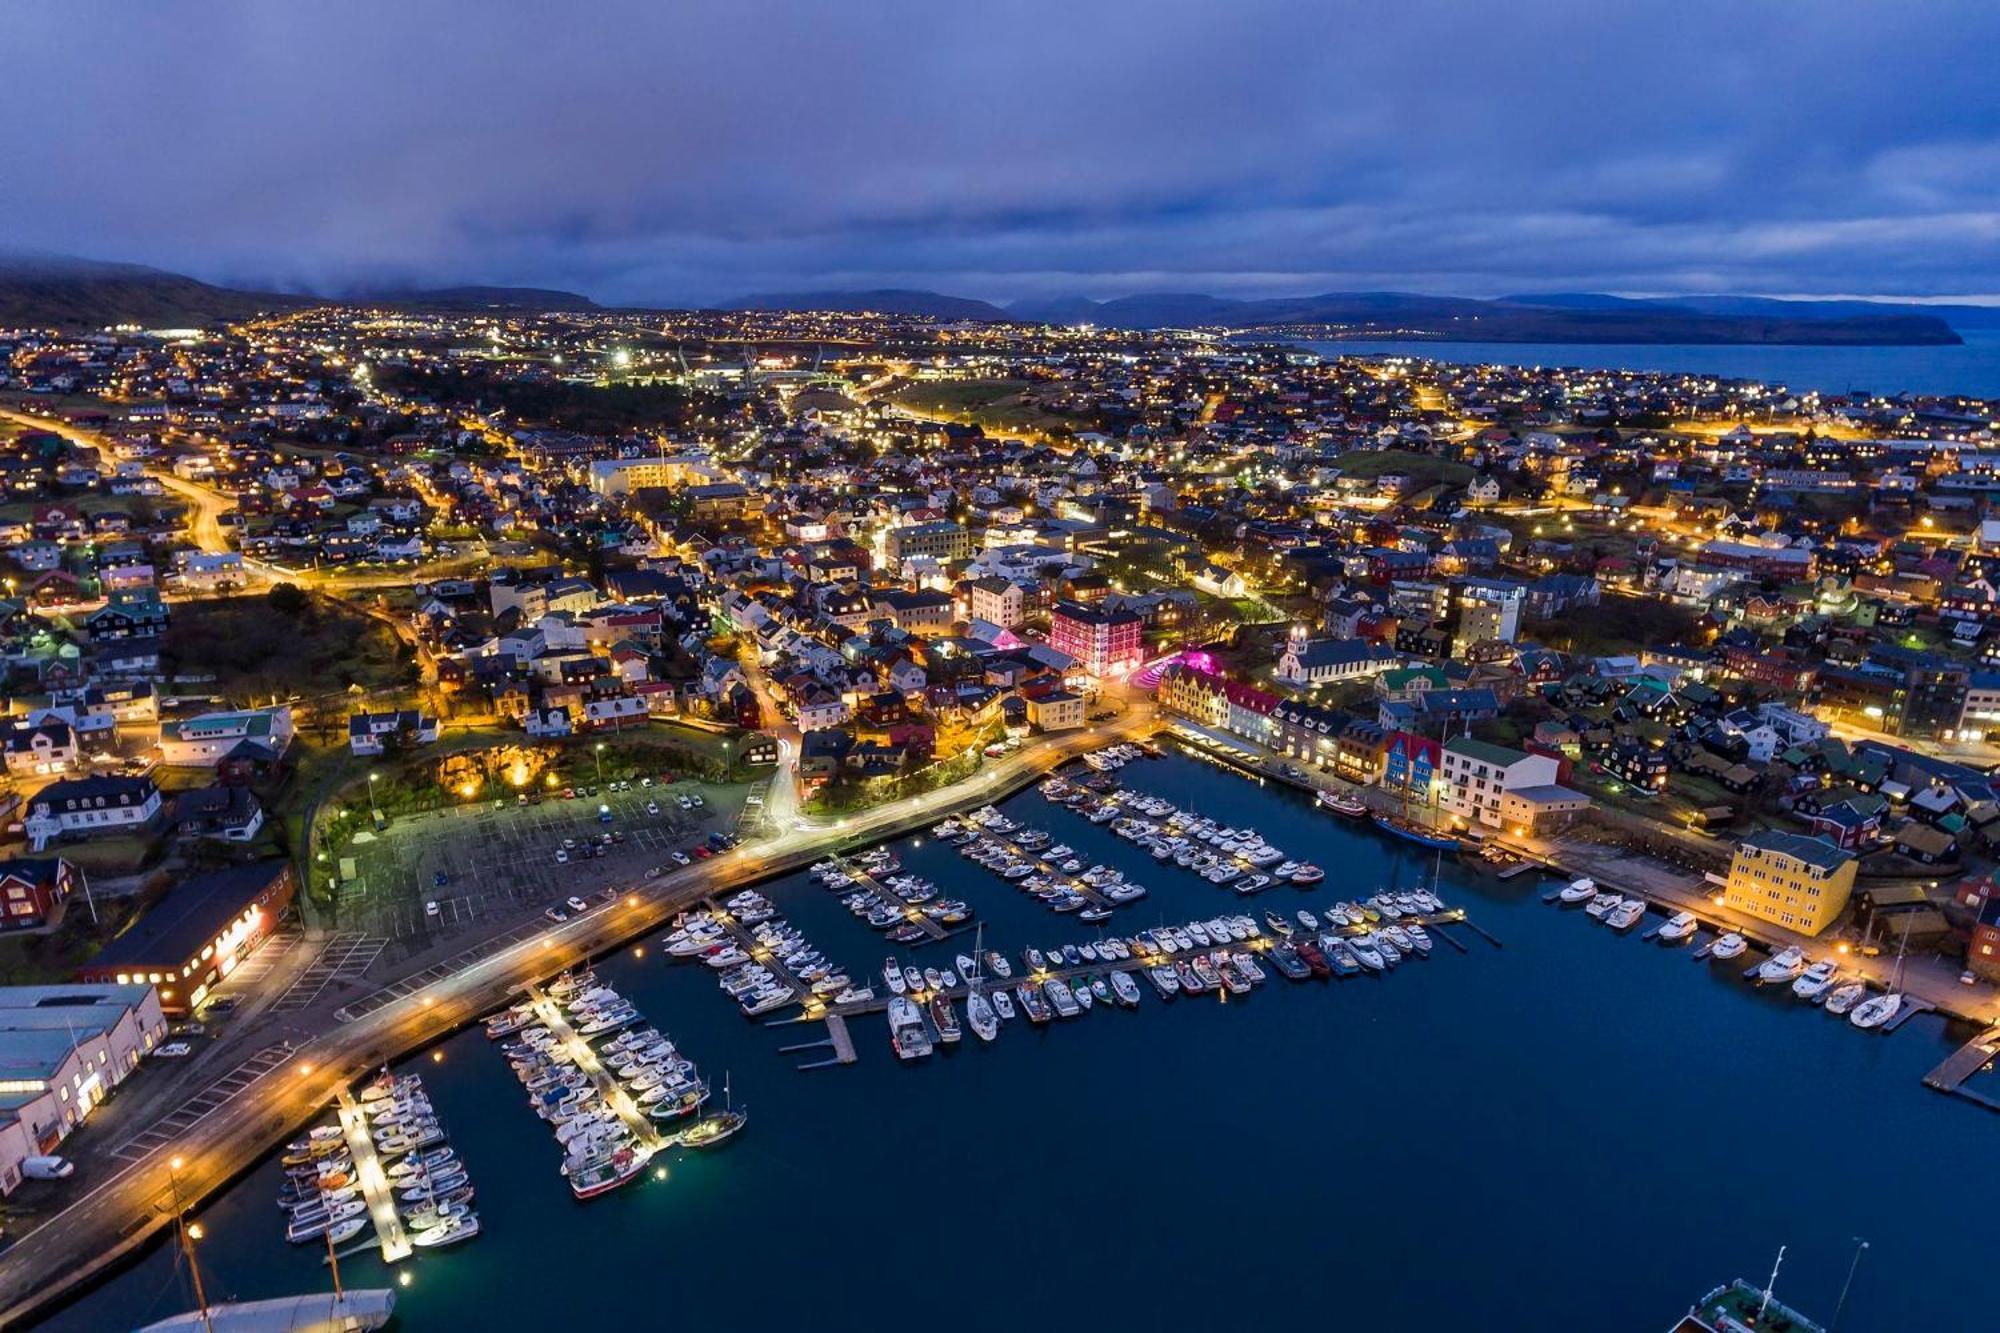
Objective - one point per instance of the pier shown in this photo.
(1952, 1074)
(374, 1182)
(751, 945)
(1042, 864)
(608, 1087)
(869, 882)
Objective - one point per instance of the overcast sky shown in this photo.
(681, 150)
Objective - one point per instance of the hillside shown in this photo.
(470, 300)
(885, 301)
(80, 293)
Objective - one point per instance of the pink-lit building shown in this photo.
(1104, 643)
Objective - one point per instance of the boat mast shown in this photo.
(1769, 1284)
(333, 1259)
(187, 1246)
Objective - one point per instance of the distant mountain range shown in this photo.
(64, 291)
(885, 301)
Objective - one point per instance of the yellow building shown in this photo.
(1790, 880)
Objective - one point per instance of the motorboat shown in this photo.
(1057, 992)
(1578, 891)
(1729, 946)
(1679, 927)
(1601, 903)
(1784, 965)
(1125, 989)
(1345, 805)
(1626, 915)
(907, 1033)
(1844, 998)
(1816, 980)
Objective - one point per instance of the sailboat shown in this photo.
(978, 1009)
(711, 1130)
(363, 1310)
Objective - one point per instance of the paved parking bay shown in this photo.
(183, 1117)
(499, 865)
(342, 958)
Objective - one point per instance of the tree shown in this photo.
(288, 599)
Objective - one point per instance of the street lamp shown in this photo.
(373, 809)
(597, 753)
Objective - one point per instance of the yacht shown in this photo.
(1003, 1004)
(1125, 989)
(1680, 926)
(1784, 965)
(892, 975)
(1626, 915)
(1729, 946)
(1057, 993)
(1816, 980)
(1578, 891)
(1600, 904)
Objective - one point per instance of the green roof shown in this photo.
(1486, 750)
(1800, 847)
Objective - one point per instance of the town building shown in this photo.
(1790, 879)
(195, 936)
(1478, 773)
(1104, 643)
(63, 1048)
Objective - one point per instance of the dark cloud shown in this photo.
(696, 150)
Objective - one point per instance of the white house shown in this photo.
(93, 805)
(203, 741)
(1477, 774)
(1324, 661)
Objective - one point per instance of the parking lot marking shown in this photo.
(183, 1117)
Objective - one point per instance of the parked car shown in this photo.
(562, 856)
(557, 915)
(578, 905)
(680, 858)
(173, 1050)
(440, 879)
(431, 907)
(652, 807)
(703, 853)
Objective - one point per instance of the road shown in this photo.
(125, 1211)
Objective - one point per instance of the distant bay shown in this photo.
(1972, 368)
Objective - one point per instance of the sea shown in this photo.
(1566, 1129)
(1972, 368)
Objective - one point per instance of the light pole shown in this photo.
(597, 753)
(373, 809)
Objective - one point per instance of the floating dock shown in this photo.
(1957, 1068)
(374, 1182)
(747, 941)
(608, 1087)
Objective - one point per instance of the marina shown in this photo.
(1565, 995)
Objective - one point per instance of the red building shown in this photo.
(1104, 643)
(33, 887)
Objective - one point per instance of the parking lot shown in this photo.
(484, 867)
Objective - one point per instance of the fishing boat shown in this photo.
(1411, 831)
(1345, 805)
(606, 1173)
(946, 1019)
(1029, 993)
(907, 1033)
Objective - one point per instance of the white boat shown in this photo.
(1679, 927)
(1874, 1013)
(1003, 1004)
(892, 975)
(1626, 915)
(1125, 989)
(1844, 998)
(1815, 980)
(1578, 891)
(979, 1015)
(1729, 946)
(1781, 966)
(1601, 904)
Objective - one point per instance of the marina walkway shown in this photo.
(608, 1087)
(1953, 1072)
(374, 1181)
(747, 941)
(888, 895)
(1042, 864)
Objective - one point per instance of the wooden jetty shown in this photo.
(747, 941)
(608, 1087)
(374, 1181)
(1953, 1072)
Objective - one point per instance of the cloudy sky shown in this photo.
(682, 150)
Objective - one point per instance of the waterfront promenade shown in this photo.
(115, 1219)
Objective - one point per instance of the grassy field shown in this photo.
(253, 649)
(1423, 469)
(995, 405)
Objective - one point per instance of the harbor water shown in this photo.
(1972, 368)
(1575, 1129)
